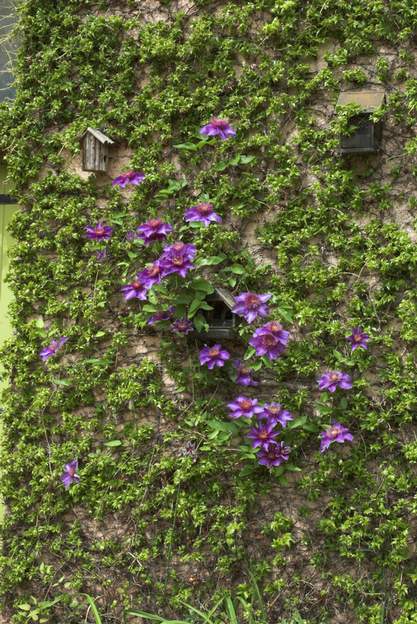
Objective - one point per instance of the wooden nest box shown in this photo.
(220, 319)
(367, 134)
(95, 149)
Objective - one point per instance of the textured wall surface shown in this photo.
(171, 505)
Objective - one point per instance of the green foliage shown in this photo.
(195, 515)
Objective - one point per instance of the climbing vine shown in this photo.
(169, 503)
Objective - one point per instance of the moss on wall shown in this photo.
(152, 523)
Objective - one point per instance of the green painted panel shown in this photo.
(6, 241)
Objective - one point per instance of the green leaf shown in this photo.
(285, 314)
(292, 468)
(210, 261)
(250, 352)
(201, 284)
(25, 606)
(112, 443)
(297, 423)
(200, 323)
(195, 305)
(94, 609)
(238, 269)
(100, 333)
(61, 382)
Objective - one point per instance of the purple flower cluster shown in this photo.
(131, 177)
(335, 433)
(52, 348)
(270, 340)
(331, 380)
(244, 375)
(214, 356)
(177, 258)
(98, 232)
(69, 475)
(263, 434)
(218, 127)
(153, 230)
(202, 213)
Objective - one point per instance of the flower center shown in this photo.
(334, 432)
(71, 471)
(252, 301)
(136, 285)
(154, 270)
(204, 208)
(246, 404)
(274, 327)
(269, 340)
(273, 410)
(334, 377)
(357, 337)
(100, 230)
(219, 123)
(263, 434)
(178, 260)
(154, 223)
(214, 352)
(244, 371)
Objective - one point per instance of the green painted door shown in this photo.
(6, 212)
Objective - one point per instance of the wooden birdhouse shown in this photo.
(95, 148)
(220, 319)
(366, 134)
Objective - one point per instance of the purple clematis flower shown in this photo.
(250, 305)
(243, 406)
(135, 290)
(263, 435)
(177, 258)
(218, 127)
(151, 275)
(358, 338)
(331, 380)
(213, 356)
(335, 433)
(274, 413)
(182, 326)
(244, 375)
(69, 475)
(163, 315)
(274, 455)
(99, 232)
(270, 340)
(153, 230)
(204, 213)
(52, 348)
(131, 177)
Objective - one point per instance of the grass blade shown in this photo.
(94, 610)
(198, 612)
(155, 618)
(231, 610)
